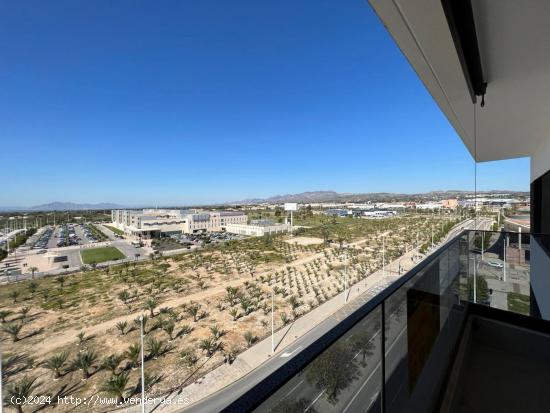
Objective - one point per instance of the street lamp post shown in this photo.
(475, 279)
(504, 267)
(519, 245)
(1, 389)
(142, 367)
(272, 321)
(345, 278)
(384, 256)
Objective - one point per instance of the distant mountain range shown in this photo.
(333, 196)
(303, 197)
(63, 206)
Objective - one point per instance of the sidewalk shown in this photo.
(260, 352)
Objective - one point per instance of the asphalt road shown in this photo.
(361, 392)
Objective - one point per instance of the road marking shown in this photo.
(294, 388)
(289, 353)
(314, 401)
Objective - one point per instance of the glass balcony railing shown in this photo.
(501, 265)
(392, 353)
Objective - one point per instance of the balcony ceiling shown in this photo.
(514, 42)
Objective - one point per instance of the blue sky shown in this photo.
(181, 102)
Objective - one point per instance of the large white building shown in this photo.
(148, 223)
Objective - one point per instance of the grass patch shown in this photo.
(114, 229)
(97, 255)
(518, 303)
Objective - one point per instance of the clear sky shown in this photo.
(181, 102)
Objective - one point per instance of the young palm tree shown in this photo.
(150, 305)
(249, 337)
(33, 270)
(121, 326)
(210, 345)
(56, 362)
(234, 312)
(188, 357)
(13, 295)
(13, 330)
(168, 327)
(24, 312)
(81, 338)
(137, 323)
(216, 331)
(4, 314)
(61, 281)
(20, 390)
(85, 361)
(112, 362)
(155, 348)
(185, 329)
(150, 381)
(33, 286)
(116, 386)
(193, 310)
(133, 354)
(124, 296)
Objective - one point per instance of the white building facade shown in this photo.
(153, 222)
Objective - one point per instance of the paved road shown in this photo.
(362, 392)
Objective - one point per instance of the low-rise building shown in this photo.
(150, 223)
(257, 228)
(450, 203)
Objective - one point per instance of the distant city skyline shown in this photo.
(209, 102)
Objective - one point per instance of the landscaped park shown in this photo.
(79, 334)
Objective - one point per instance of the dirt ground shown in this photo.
(201, 308)
(304, 240)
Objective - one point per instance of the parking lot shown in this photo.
(66, 235)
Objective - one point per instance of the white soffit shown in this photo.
(514, 41)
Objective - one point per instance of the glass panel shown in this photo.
(346, 377)
(423, 320)
(502, 267)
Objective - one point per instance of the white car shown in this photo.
(495, 264)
